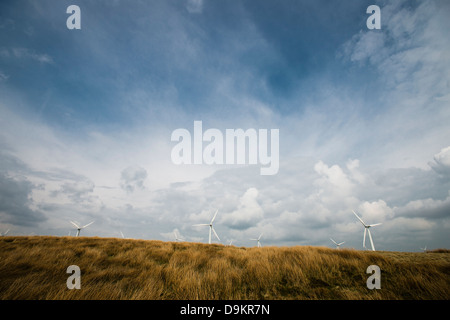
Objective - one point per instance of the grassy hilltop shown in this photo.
(35, 268)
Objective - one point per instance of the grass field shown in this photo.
(35, 268)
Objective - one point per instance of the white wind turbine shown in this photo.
(211, 229)
(4, 234)
(123, 236)
(367, 230)
(424, 249)
(337, 244)
(79, 228)
(259, 243)
(176, 237)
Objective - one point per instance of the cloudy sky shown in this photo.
(86, 118)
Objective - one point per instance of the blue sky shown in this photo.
(87, 115)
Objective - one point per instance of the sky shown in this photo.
(86, 117)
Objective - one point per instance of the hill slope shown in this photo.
(35, 268)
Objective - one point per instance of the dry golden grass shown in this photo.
(35, 268)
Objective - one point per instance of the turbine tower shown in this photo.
(259, 243)
(79, 228)
(337, 244)
(367, 230)
(211, 228)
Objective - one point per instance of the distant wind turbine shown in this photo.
(211, 229)
(4, 234)
(337, 244)
(259, 243)
(366, 230)
(424, 249)
(176, 237)
(123, 236)
(79, 228)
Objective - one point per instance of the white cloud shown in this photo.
(3, 76)
(355, 174)
(334, 175)
(16, 202)
(248, 212)
(443, 157)
(334, 188)
(441, 162)
(410, 59)
(133, 177)
(375, 211)
(76, 191)
(409, 225)
(366, 46)
(25, 53)
(426, 208)
(194, 6)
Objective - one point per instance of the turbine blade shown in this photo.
(215, 214)
(333, 241)
(341, 243)
(201, 224)
(371, 241)
(74, 224)
(359, 219)
(215, 233)
(373, 225)
(87, 225)
(260, 236)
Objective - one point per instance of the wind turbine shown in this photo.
(4, 234)
(79, 228)
(367, 230)
(337, 244)
(424, 249)
(210, 227)
(259, 243)
(122, 235)
(176, 237)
